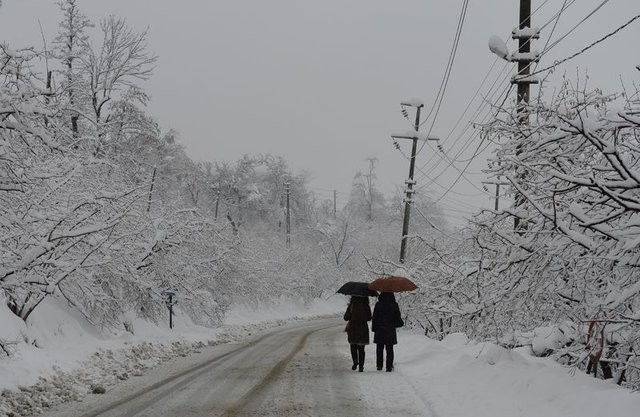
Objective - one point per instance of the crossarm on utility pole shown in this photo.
(497, 184)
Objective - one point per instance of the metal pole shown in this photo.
(215, 217)
(409, 192)
(171, 311)
(334, 202)
(288, 189)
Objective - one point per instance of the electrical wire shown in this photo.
(554, 19)
(546, 50)
(555, 64)
(465, 146)
(447, 72)
(481, 108)
(440, 96)
(475, 154)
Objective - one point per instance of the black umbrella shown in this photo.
(359, 289)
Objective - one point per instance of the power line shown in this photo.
(486, 76)
(447, 75)
(433, 181)
(480, 109)
(556, 17)
(574, 28)
(471, 159)
(555, 64)
(465, 146)
(328, 190)
(452, 53)
(474, 119)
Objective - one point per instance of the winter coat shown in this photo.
(386, 317)
(357, 315)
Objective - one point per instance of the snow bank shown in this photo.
(57, 339)
(57, 356)
(460, 378)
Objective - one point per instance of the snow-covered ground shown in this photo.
(58, 356)
(454, 377)
(457, 377)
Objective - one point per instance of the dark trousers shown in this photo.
(380, 347)
(357, 354)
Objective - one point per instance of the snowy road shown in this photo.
(297, 370)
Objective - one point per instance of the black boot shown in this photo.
(354, 356)
(361, 358)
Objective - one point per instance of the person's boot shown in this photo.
(354, 357)
(361, 359)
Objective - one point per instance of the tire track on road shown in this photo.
(191, 374)
(256, 394)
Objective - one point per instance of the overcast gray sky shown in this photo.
(319, 82)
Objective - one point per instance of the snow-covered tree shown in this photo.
(574, 255)
(72, 42)
(58, 206)
(113, 72)
(366, 200)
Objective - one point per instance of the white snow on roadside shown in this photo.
(57, 356)
(453, 377)
(456, 377)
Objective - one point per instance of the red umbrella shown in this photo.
(392, 284)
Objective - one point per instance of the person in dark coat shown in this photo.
(386, 317)
(357, 315)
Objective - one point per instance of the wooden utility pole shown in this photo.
(524, 58)
(497, 184)
(408, 200)
(287, 188)
(46, 119)
(153, 181)
(215, 216)
(335, 197)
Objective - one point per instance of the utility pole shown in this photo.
(335, 192)
(497, 184)
(414, 136)
(46, 119)
(287, 188)
(215, 216)
(524, 58)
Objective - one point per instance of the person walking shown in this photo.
(357, 315)
(386, 318)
